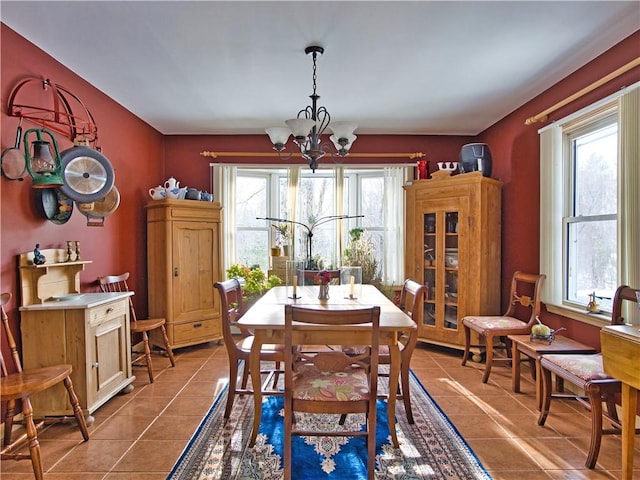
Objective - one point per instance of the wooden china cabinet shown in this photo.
(184, 260)
(453, 226)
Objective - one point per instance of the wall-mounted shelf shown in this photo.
(40, 283)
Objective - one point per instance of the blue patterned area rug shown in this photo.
(432, 448)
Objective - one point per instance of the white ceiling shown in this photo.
(420, 67)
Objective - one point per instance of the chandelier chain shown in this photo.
(315, 76)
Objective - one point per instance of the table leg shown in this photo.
(256, 382)
(394, 372)
(515, 367)
(629, 407)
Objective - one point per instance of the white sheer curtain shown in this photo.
(629, 195)
(393, 204)
(224, 191)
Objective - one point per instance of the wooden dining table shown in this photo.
(266, 320)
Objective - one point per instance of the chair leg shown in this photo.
(167, 345)
(546, 395)
(288, 429)
(489, 359)
(8, 421)
(595, 399)
(147, 355)
(371, 444)
(467, 344)
(233, 380)
(77, 411)
(245, 374)
(32, 435)
(406, 396)
(276, 376)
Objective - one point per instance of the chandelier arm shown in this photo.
(323, 118)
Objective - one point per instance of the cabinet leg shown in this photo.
(128, 389)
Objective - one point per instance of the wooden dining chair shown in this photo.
(593, 384)
(118, 283)
(330, 381)
(524, 307)
(411, 301)
(239, 346)
(18, 384)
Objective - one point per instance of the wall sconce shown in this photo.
(45, 169)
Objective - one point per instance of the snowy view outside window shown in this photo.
(591, 237)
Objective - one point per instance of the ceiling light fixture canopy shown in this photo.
(309, 126)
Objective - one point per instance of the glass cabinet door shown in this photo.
(429, 280)
(440, 269)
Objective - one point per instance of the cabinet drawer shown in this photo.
(103, 313)
(187, 332)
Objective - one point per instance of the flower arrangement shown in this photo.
(323, 277)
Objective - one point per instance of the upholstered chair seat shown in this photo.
(591, 383)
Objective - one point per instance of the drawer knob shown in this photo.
(197, 325)
(94, 365)
(110, 309)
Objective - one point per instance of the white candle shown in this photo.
(352, 281)
(295, 284)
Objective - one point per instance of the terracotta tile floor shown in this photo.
(140, 435)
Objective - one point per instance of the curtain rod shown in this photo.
(298, 154)
(543, 116)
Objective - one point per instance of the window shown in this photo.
(300, 195)
(589, 211)
(591, 251)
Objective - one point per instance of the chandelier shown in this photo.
(309, 126)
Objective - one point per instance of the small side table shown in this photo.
(523, 344)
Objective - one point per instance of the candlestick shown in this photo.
(295, 286)
(352, 281)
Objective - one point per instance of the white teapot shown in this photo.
(171, 184)
(157, 193)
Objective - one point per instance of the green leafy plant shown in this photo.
(255, 279)
(361, 253)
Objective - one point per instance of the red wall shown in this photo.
(516, 146)
(143, 158)
(184, 162)
(134, 149)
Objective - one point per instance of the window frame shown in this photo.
(554, 195)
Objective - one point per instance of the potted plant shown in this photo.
(282, 236)
(361, 253)
(254, 282)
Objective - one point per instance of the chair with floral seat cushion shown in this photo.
(330, 381)
(594, 386)
(524, 307)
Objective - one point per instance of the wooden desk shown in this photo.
(620, 358)
(266, 319)
(523, 344)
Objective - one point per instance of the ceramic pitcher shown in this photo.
(157, 193)
(171, 184)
